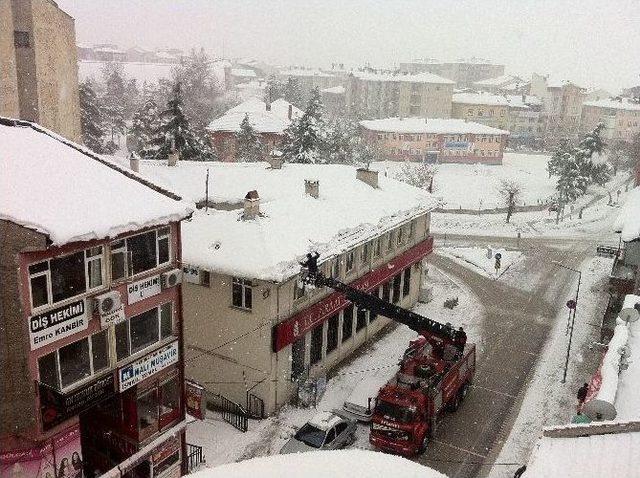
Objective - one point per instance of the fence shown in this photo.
(232, 412)
(255, 406)
(194, 457)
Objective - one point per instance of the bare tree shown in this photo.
(419, 175)
(511, 192)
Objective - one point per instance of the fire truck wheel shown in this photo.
(425, 443)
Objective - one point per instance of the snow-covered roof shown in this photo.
(500, 81)
(244, 72)
(348, 212)
(324, 420)
(559, 83)
(480, 99)
(323, 464)
(336, 90)
(430, 125)
(411, 78)
(304, 72)
(520, 101)
(628, 221)
(61, 189)
(623, 104)
(274, 121)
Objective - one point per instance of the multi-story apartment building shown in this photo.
(39, 74)
(525, 121)
(485, 108)
(91, 324)
(308, 79)
(269, 121)
(621, 118)
(382, 95)
(561, 108)
(252, 329)
(464, 72)
(435, 140)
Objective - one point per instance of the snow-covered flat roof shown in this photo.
(348, 212)
(628, 221)
(411, 78)
(480, 99)
(56, 187)
(623, 104)
(499, 81)
(430, 125)
(276, 120)
(323, 464)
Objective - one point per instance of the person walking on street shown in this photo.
(582, 395)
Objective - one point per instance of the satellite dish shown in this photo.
(629, 315)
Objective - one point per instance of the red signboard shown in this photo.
(290, 330)
(194, 394)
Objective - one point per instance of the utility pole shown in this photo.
(206, 193)
(572, 305)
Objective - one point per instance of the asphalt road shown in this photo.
(515, 328)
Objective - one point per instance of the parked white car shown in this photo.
(325, 431)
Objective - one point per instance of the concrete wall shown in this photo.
(9, 105)
(17, 413)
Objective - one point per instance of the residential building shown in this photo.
(464, 72)
(621, 118)
(91, 324)
(254, 332)
(525, 121)
(334, 101)
(561, 108)
(504, 84)
(269, 121)
(308, 79)
(251, 89)
(235, 76)
(484, 108)
(39, 74)
(372, 94)
(595, 94)
(435, 140)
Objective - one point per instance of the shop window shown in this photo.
(169, 401)
(140, 253)
(396, 288)
(347, 323)
(361, 319)
(147, 408)
(332, 333)
(143, 330)
(350, 261)
(316, 345)
(406, 285)
(241, 293)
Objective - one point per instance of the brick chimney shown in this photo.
(173, 155)
(268, 105)
(290, 112)
(275, 159)
(312, 188)
(251, 205)
(367, 176)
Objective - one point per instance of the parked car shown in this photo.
(325, 431)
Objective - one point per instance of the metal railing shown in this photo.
(255, 406)
(194, 457)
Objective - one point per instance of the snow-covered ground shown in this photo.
(547, 401)
(482, 259)
(223, 444)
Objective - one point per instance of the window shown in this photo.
(347, 322)
(412, 229)
(386, 292)
(140, 253)
(75, 362)
(396, 288)
(332, 333)
(148, 413)
(350, 261)
(364, 254)
(361, 319)
(377, 247)
(335, 268)
(298, 289)
(144, 330)
(316, 345)
(241, 293)
(205, 278)
(64, 277)
(169, 401)
(21, 39)
(400, 235)
(406, 285)
(390, 241)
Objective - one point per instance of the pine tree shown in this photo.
(340, 140)
(114, 98)
(132, 98)
(592, 142)
(144, 126)
(292, 92)
(175, 131)
(94, 129)
(303, 138)
(274, 89)
(248, 144)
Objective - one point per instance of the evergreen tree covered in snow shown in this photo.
(273, 90)
(174, 131)
(592, 143)
(340, 139)
(304, 137)
(114, 98)
(132, 98)
(292, 92)
(92, 119)
(248, 144)
(146, 122)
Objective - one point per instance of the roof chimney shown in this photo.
(173, 154)
(268, 106)
(367, 176)
(251, 205)
(134, 162)
(275, 159)
(312, 188)
(290, 112)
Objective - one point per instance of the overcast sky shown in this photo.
(595, 43)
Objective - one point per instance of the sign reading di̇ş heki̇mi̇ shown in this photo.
(143, 288)
(157, 360)
(58, 323)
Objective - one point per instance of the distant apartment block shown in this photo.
(621, 118)
(525, 121)
(39, 74)
(383, 95)
(310, 79)
(504, 84)
(464, 72)
(483, 108)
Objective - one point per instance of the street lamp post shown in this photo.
(572, 305)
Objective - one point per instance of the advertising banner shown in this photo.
(112, 318)
(58, 323)
(194, 394)
(137, 291)
(145, 367)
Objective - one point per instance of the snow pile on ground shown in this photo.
(49, 184)
(324, 464)
(479, 260)
(628, 221)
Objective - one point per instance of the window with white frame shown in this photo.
(65, 277)
(364, 253)
(75, 362)
(350, 261)
(241, 293)
(140, 253)
(144, 330)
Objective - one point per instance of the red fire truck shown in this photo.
(434, 376)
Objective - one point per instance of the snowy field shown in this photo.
(266, 437)
(480, 260)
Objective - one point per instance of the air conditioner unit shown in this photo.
(106, 303)
(171, 278)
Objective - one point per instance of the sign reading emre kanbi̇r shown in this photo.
(145, 367)
(57, 323)
(136, 291)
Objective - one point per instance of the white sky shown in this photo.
(593, 42)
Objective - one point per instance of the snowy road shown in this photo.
(520, 310)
